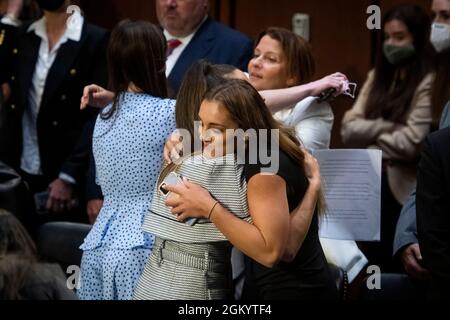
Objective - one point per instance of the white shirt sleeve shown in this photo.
(312, 121)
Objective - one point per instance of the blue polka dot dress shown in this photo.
(128, 151)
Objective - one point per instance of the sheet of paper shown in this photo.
(352, 188)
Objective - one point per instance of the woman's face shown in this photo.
(267, 68)
(441, 11)
(216, 129)
(396, 33)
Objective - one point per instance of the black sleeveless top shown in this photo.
(308, 276)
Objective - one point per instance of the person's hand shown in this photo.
(189, 201)
(93, 209)
(335, 81)
(173, 149)
(411, 259)
(312, 168)
(60, 196)
(96, 96)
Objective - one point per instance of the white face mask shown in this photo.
(440, 36)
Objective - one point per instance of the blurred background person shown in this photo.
(393, 113)
(192, 35)
(12, 13)
(433, 212)
(22, 276)
(440, 39)
(44, 134)
(406, 244)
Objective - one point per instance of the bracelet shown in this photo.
(212, 209)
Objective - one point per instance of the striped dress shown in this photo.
(193, 262)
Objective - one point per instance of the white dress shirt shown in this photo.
(31, 160)
(176, 53)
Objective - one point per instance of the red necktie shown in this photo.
(172, 45)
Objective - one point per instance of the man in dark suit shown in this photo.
(192, 36)
(406, 244)
(433, 211)
(8, 25)
(44, 134)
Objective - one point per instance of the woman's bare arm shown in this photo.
(264, 240)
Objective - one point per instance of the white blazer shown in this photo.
(313, 122)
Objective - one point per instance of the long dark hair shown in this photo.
(201, 77)
(17, 256)
(136, 55)
(300, 63)
(392, 102)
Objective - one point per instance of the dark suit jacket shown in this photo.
(60, 122)
(406, 232)
(7, 34)
(433, 210)
(216, 43)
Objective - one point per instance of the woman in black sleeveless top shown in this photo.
(283, 239)
(307, 276)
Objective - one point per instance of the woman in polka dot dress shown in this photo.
(128, 145)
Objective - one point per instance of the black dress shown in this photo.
(308, 276)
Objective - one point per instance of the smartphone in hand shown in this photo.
(40, 201)
(174, 178)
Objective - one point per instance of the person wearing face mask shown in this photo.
(440, 38)
(45, 136)
(393, 113)
(406, 244)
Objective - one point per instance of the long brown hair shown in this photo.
(248, 109)
(201, 77)
(392, 102)
(17, 256)
(298, 53)
(136, 55)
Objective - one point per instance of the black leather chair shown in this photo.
(341, 279)
(394, 286)
(14, 195)
(59, 242)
